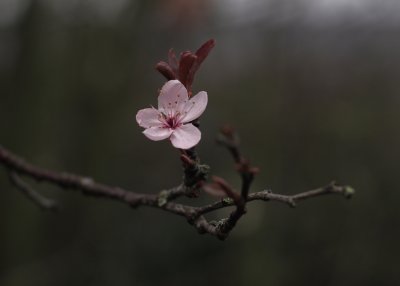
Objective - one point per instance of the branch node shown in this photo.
(348, 192)
(86, 181)
(194, 171)
(227, 201)
(292, 202)
(162, 198)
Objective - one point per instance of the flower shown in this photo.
(173, 116)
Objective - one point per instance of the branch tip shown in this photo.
(38, 199)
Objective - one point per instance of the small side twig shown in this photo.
(290, 200)
(230, 140)
(39, 200)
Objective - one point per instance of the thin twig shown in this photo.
(39, 200)
(290, 200)
(229, 139)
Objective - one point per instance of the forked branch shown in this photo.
(162, 200)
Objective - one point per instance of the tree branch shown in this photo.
(193, 214)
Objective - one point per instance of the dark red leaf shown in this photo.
(173, 62)
(204, 50)
(166, 70)
(185, 64)
(201, 54)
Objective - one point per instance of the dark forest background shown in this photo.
(312, 87)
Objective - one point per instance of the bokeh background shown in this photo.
(311, 85)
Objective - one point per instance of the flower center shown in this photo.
(171, 121)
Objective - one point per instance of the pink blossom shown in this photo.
(173, 116)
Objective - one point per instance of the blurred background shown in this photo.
(311, 85)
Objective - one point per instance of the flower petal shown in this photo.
(173, 97)
(148, 117)
(185, 136)
(195, 106)
(157, 133)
